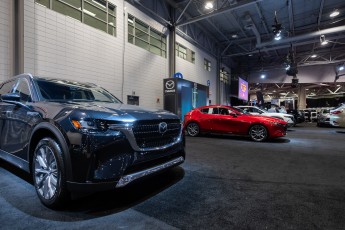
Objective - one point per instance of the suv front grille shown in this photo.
(148, 134)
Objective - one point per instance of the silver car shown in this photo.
(337, 117)
(323, 118)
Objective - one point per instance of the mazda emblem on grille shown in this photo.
(162, 127)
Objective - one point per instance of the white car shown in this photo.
(337, 117)
(257, 111)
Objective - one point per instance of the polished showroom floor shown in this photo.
(227, 182)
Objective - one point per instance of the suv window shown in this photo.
(22, 88)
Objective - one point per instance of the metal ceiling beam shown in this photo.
(303, 37)
(242, 4)
(320, 13)
(281, 47)
(184, 10)
(291, 21)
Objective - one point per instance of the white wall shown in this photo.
(6, 67)
(61, 47)
(195, 71)
(144, 71)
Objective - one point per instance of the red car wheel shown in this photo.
(193, 129)
(258, 133)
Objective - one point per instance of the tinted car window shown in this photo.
(22, 88)
(215, 111)
(61, 91)
(204, 110)
(223, 111)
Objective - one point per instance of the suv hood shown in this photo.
(106, 111)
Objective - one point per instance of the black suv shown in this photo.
(78, 137)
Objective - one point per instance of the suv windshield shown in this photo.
(60, 90)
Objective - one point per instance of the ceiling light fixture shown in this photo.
(277, 28)
(313, 56)
(323, 40)
(263, 76)
(234, 36)
(334, 13)
(341, 67)
(208, 5)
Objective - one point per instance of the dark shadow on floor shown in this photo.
(84, 206)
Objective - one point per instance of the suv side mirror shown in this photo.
(10, 97)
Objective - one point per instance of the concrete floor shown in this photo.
(227, 182)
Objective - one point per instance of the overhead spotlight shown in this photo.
(263, 76)
(234, 36)
(334, 13)
(313, 56)
(208, 5)
(277, 37)
(341, 67)
(287, 67)
(323, 40)
(277, 28)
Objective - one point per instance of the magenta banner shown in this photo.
(242, 89)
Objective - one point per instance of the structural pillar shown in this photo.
(302, 98)
(172, 44)
(18, 35)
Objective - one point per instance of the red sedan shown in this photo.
(229, 120)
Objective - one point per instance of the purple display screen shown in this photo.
(242, 89)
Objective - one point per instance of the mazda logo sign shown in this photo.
(162, 127)
(170, 84)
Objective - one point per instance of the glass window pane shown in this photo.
(75, 3)
(142, 26)
(142, 35)
(111, 9)
(43, 3)
(155, 50)
(131, 39)
(156, 34)
(91, 21)
(94, 12)
(112, 20)
(66, 10)
(111, 30)
(130, 20)
(156, 42)
(142, 44)
(98, 3)
(130, 29)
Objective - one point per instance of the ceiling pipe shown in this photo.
(302, 37)
(251, 26)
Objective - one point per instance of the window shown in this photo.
(181, 51)
(207, 65)
(185, 53)
(224, 77)
(45, 3)
(99, 14)
(142, 35)
(22, 88)
(204, 110)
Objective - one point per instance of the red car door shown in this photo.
(224, 122)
